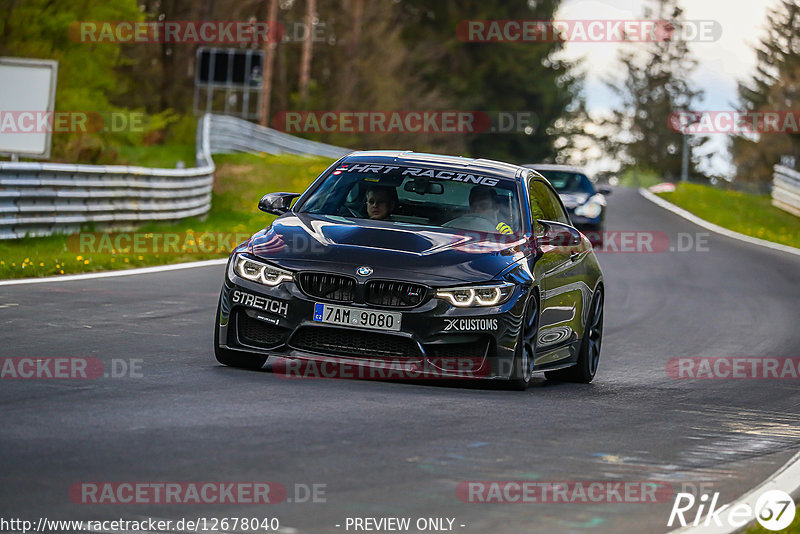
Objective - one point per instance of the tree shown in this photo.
(364, 65)
(308, 45)
(775, 86)
(381, 55)
(89, 79)
(493, 76)
(269, 63)
(655, 84)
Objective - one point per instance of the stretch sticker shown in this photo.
(260, 303)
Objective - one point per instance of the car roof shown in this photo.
(409, 158)
(554, 167)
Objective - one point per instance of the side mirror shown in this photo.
(277, 203)
(557, 234)
(604, 190)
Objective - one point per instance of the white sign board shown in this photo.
(27, 86)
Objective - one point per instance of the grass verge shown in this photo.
(752, 215)
(157, 156)
(239, 183)
(794, 528)
(635, 177)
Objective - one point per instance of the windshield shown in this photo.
(418, 196)
(568, 182)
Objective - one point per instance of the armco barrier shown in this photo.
(229, 134)
(38, 199)
(786, 189)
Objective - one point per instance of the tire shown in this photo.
(589, 356)
(231, 358)
(524, 359)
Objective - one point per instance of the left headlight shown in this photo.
(260, 272)
(477, 296)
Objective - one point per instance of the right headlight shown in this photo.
(477, 295)
(260, 272)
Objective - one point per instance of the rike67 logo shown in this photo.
(774, 510)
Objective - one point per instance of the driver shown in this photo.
(485, 202)
(381, 201)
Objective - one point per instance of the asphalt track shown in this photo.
(399, 449)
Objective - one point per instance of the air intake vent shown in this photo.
(353, 343)
(254, 332)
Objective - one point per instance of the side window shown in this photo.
(536, 201)
(558, 209)
(545, 204)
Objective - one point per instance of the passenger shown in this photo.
(485, 202)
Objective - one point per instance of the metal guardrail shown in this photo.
(786, 189)
(39, 199)
(229, 134)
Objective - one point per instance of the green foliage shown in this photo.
(183, 131)
(372, 55)
(652, 87)
(775, 85)
(493, 76)
(87, 79)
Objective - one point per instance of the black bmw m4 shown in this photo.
(450, 267)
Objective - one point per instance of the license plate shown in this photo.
(378, 320)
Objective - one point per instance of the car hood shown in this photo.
(395, 251)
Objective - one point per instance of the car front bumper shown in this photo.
(436, 339)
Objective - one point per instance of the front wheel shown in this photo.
(231, 358)
(524, 360)
(589, 356)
